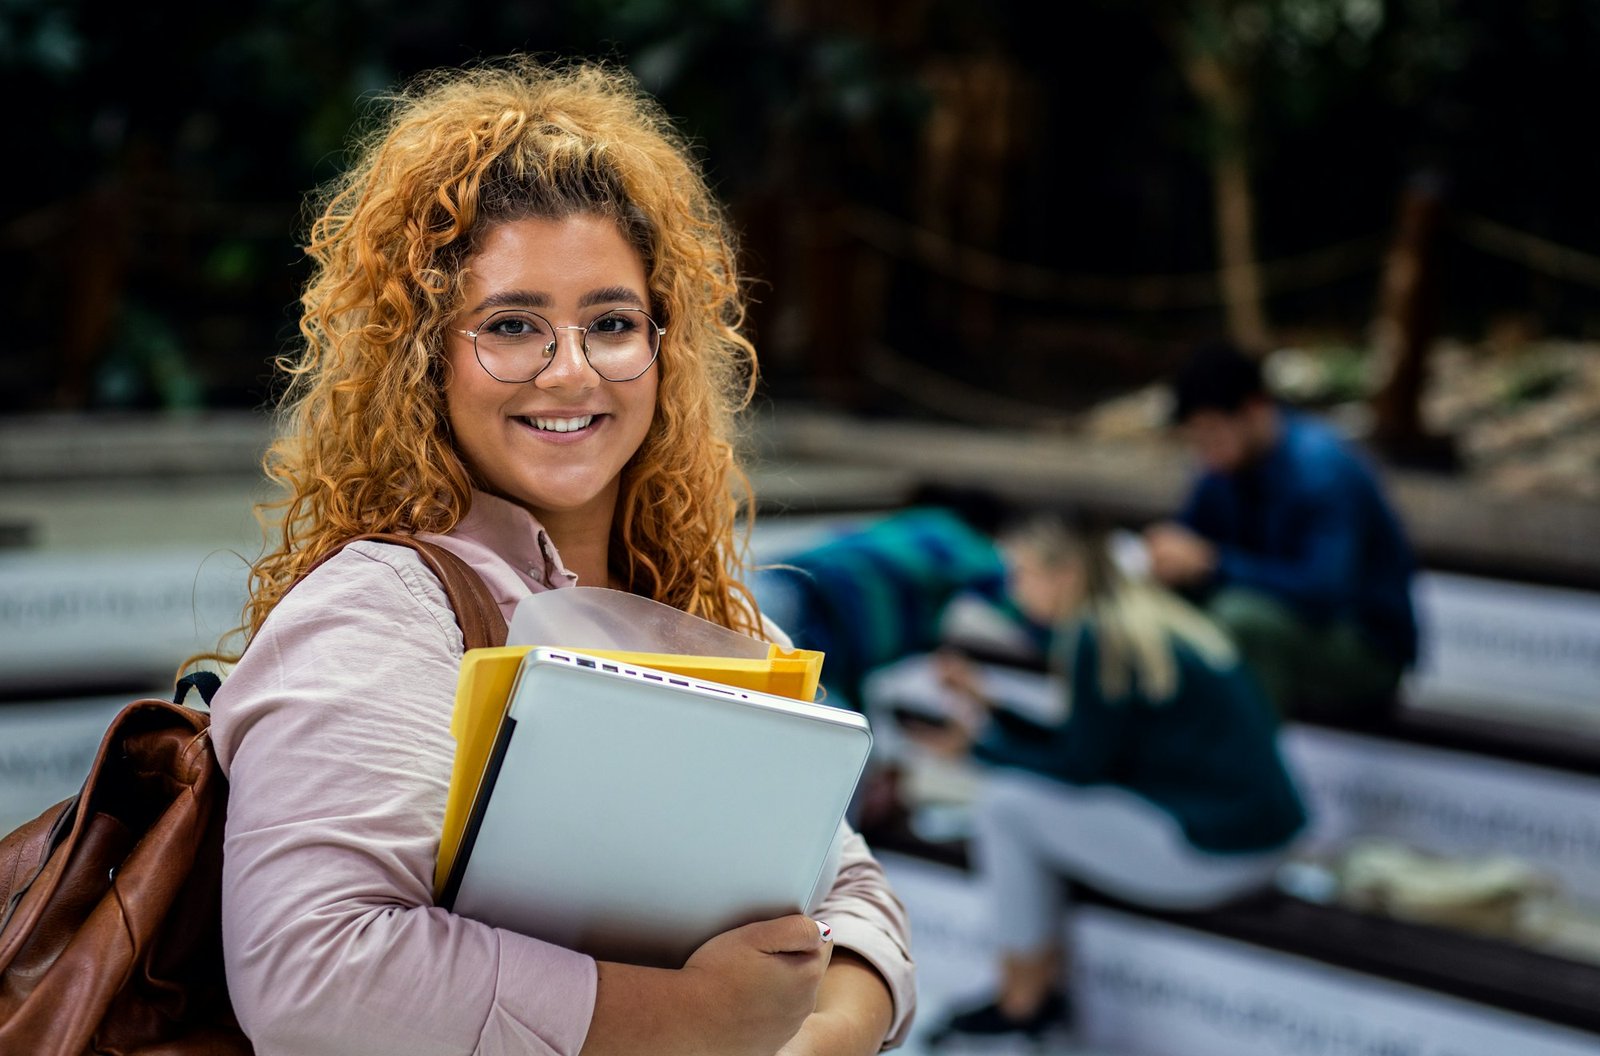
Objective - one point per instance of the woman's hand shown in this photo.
(757, 984)
(966, 705)
(949, 741)
(745, 992)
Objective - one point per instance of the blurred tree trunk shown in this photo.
(97, 272)
(1216, 63)
(976, 133)
(1236, 240)
(1406, 325)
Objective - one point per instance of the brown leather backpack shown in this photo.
(110, 935)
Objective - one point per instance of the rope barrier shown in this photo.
(983, 270)
(1531, 251)
(939, 392)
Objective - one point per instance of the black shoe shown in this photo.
(987, 1020)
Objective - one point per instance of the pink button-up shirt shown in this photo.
(334, 731)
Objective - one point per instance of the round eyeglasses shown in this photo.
(514, 345)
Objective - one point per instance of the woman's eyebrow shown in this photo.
(535, 299)
(513, 299)
(610, 295)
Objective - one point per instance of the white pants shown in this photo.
(1031, 831)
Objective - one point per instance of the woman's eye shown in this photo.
(514, 326)
(615, 323)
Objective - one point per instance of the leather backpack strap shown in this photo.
(477, 613)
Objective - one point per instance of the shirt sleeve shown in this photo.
(1200, 507)
(1320, 576)
(334, 733)
(1086, 748)
(868, 919)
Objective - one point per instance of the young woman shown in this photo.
(1162, 786)
(521, 341)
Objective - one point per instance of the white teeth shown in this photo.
(561, 425)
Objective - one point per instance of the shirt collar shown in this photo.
(518, 538)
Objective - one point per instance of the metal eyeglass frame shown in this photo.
(550, 349)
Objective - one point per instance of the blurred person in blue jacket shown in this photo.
(1289, 541)
(1162, 785)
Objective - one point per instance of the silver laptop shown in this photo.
(633, 814)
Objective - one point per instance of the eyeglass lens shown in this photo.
(515, 345)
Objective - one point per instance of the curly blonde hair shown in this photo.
(364, 441)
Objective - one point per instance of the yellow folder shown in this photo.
(483, 691)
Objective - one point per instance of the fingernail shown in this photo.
(823, 930)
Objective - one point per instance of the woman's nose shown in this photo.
(569, 364)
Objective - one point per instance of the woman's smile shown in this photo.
(546, 424)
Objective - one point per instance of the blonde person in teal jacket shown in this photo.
(1162, 785)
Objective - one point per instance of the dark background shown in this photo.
(941, 202)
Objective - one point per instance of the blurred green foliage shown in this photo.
(161, 153)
